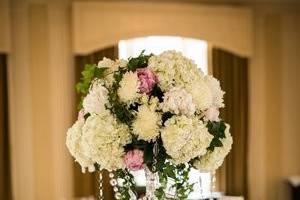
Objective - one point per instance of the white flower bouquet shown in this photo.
(158, 112)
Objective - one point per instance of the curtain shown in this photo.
(87, 184)
(5, 181)
(232, 71)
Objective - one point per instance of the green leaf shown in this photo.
(100, 72)
(215, 143)
(148, 156)
(139, 62)
(90, 72)
(217, 129)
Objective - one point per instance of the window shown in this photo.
(191, 48)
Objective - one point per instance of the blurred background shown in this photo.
(251, 46)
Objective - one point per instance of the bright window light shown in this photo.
(191, 48)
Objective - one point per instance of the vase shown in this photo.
(151, 184)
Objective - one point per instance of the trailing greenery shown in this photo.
(120, 110)
(127, 187)
(217, 129)
(179, 175)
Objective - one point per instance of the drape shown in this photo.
(5, 180)
(232, 71)
(87, 184)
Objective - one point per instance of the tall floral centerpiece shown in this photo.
(154, 112)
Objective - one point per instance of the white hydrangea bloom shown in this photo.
(112, 67)
(216, 91)
(185, 138)
(75, 145)
(211, 161)
(94, 102)
(173, 69)
(178, 101)
(129, 85)
(105, 139)
(202, 96)
(146, 124)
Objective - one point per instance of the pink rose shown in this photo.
(134, 160)
(147, 80)
(212, 114)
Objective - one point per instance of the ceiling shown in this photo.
(235, 2)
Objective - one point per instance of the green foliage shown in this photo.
(217, 129)
(161, 156)
(127, 188)
(90, 72)
(139, 62)
(122, 113)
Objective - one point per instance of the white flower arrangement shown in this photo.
(154, 111)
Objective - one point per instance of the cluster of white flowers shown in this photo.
(201, 94)
(111, 66)
(185, 138)
(173, 69)
(212, 160)
(146, 124)
(76, 145)
(105, 138)
(216, 91)
(94, 102)
(129, 85)
(178, 101)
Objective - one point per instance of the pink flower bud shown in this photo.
(134, 160)
(147, 80)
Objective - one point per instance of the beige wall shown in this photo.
(41, 85)
(274, 97)
(97, 24)
(41, 93)
(4, 26)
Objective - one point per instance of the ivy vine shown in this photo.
(127, 186)
(179, 175)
